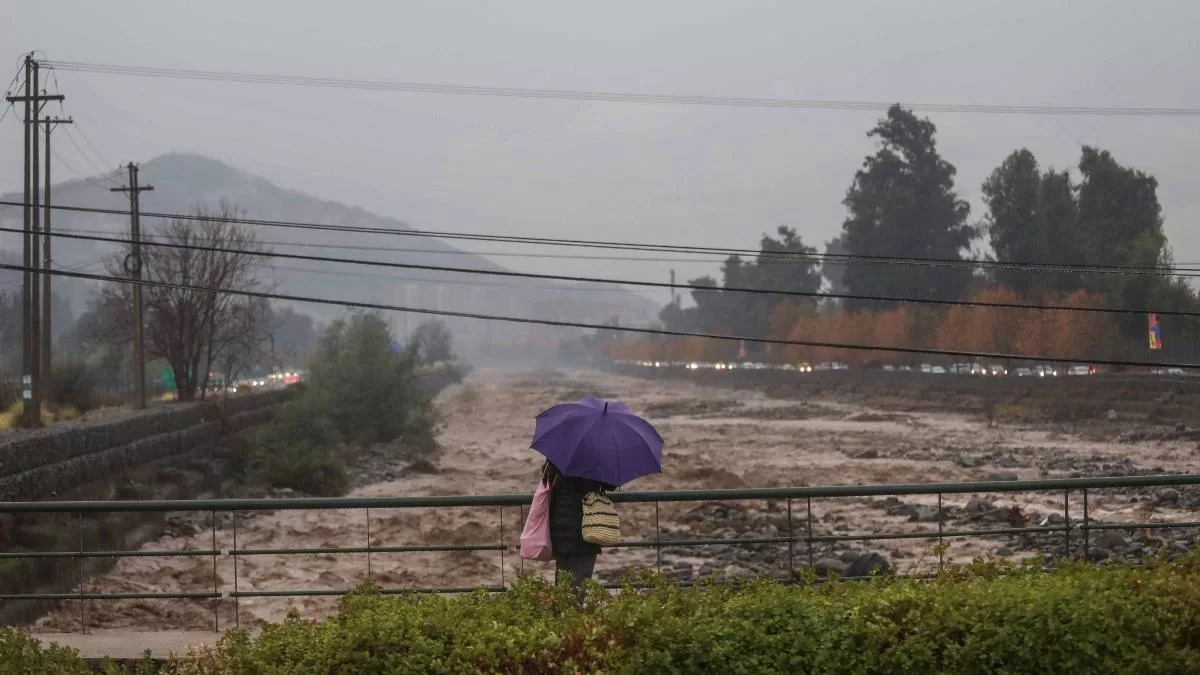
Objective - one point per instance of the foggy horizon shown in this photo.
(617, 171)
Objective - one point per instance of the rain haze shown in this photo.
(702, 175)
(984, 337)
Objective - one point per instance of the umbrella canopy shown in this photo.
(600, 440)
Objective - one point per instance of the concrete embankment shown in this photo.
(174, 452)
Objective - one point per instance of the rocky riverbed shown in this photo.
(716, 438)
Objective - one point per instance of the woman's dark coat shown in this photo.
(566, 515)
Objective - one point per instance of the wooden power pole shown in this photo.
(133, 265)
(31, 385)
(47, 334)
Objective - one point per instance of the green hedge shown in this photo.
(984, 619)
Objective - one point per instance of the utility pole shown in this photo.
(673, 300)
(133, 265)
(47, 334)
(30, 381)
(35, 280)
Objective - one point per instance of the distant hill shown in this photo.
(182, 181)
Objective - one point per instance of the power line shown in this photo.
(601, 327)
(611, 96)
(76, 172)
(103, 162)
(628, 282)
(431, 251)
(9, 89)
(448, 282)
(88, 142)
(675, 248)
(106, 175)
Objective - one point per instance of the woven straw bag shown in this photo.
(601, 526)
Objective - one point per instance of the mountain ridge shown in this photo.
(184, 180)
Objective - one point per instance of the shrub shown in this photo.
(72, 384)
(10, 391)
(20, 653)
(360, 391)
(67, 413)
(985, 619)
(307, 469)
(11, 418)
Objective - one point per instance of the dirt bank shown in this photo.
(715, 439)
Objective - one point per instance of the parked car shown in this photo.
(997, 370)
(1024, 372)
(1081, 370)
(938, 370)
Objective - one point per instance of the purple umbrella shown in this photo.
(600, 440)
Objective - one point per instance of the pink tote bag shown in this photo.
(535, 538)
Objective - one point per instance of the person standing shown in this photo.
(572, 555)
(591, 447)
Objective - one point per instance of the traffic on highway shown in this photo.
(963, 368)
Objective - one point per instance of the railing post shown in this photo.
(82, 605)
(941, 540)
(503, 547)
(521, 564)
(370, 576)
(809, 538)
(215, 578)
(1086, 538)
(1067, 522)
(657, 540)
(237, 600)
(791, 544)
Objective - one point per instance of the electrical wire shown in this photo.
(626, 282)
(674, 248)
(450, 282)
(88, 142)
(264, 295)
(91, 181)
(97, 166)
(454, 251)
(611, 96)
(103, 174)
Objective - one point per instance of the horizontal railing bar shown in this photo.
(699, 542)
(182, 553)
(676, 543)
(365, 549)
(741, 494)
(931, 534)
(1139, 526)
(301, 593)
(110, 596)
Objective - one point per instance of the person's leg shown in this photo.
(561, 567)
(581, 568)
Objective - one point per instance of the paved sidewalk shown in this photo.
(117, 644)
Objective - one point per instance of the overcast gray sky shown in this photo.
(655, 173)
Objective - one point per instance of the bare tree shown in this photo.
(197, 328)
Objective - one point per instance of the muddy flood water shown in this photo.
(715, 438)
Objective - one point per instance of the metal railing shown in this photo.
(801, 532)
